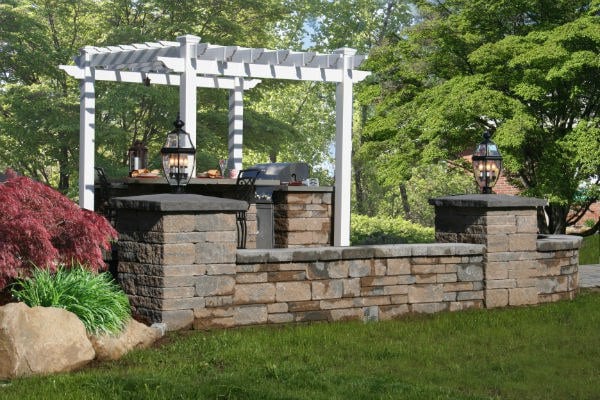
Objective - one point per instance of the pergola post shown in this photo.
(236, 124)
(343, 151)
(87, 132)
(187, 85)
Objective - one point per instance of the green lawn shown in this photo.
(589, 253)
(545, 352)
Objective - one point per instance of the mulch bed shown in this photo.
(6, 297)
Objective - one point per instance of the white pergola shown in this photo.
(190, 64)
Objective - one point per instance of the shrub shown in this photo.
(40, 226)
(387, 230)
(95, 298)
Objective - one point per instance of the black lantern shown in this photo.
(178, 157)
(138, 157)
(487, 163)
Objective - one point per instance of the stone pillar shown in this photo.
(172, 249)
(507, 226)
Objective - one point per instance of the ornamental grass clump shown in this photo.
(95, 298)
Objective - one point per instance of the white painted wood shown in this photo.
(236, 125)
(343, 153)
(267, 71)
(87, 130)
(187, 86)
(213, 82)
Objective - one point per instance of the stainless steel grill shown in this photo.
(284, 171)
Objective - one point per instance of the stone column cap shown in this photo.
(488, 201)
(178, 202)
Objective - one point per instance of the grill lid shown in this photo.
(284, 171)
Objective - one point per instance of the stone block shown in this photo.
(275, 308)
(458, 286)
(336, 303)
(426, 278)
(428, 308)
(286, 276)
(301, 306)
(379, 267)
(176, 223)
(327, 289)
(445, 278)
(215, 253)
(501, 284)
(214, 285)
(497, 243)
(351, 287)
(346, 314)
(523, 296)
(259, 277)
(399, 298)
(220, 269)
(370, 313)
(247, 315)
(280, 318)
(177, 319)
(392, 311)
(469, 273)
(430, 268)
(292, 291)
(204, 313)
(359, 268)
(218, 301)
(182, 304)
(426, 293)
(522, 242)
(214, 222)
(398, 266)
(471, 295)
(395, 289)
(252, 293)
(214, 323)
(496, 270)
(310, 316)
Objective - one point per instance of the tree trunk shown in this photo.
(555, 221)
(405, 205)
(63, 170)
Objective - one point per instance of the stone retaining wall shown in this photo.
(337, 283)
(179, 264)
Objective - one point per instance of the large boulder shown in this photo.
(135, 336)
(41, 340)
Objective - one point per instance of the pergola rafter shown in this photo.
(190, 64)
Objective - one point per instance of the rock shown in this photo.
(135, 336)
(41, 340)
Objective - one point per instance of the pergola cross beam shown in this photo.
(189, 64)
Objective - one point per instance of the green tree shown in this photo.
(523, 69)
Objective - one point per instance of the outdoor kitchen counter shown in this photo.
(297, 216)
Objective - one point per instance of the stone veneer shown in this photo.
(520, 266)
(303, 217)
(179, 265)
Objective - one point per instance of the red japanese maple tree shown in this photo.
(41, 227)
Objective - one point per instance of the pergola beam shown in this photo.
(212, 82)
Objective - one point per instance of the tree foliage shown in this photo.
(526, 70)
(40, 227)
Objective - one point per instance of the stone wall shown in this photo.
(341, 283)
(165, 243)
(303, 217)
(179, 264)
(520, 268)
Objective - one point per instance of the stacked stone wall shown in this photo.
(179, 264)
(333, 284)
(302, 218)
